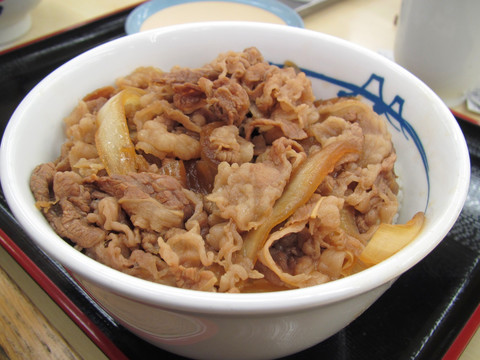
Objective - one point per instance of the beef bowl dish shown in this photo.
(234, 190)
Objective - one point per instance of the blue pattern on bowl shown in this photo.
(393, 116)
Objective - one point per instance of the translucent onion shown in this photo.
(389, 239)
(112, 139)
(302, 185)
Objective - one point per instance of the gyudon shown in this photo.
(231, 177)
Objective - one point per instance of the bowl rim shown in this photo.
(218, 303)
(142, 12)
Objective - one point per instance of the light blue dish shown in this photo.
(144, 11)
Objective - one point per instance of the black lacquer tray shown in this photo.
(419, 317)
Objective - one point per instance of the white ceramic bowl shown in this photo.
(433, 164)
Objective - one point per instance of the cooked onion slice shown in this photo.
(112, 138)
(302, 185)
(389, 239)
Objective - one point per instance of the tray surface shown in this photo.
(419, 317)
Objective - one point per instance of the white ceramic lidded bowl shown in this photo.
(433, 165)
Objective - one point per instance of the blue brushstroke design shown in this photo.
(393, 116)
